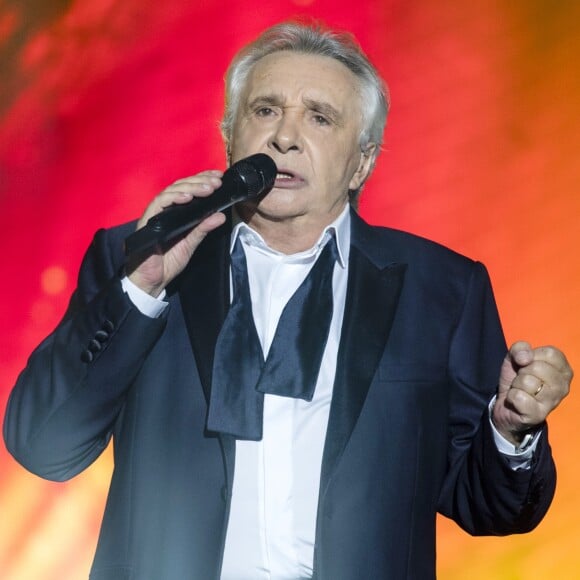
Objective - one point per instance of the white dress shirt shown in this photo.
(272, 523)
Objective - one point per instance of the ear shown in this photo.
(366, 164)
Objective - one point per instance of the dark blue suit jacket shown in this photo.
(408, 433)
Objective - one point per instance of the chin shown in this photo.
(280, 201)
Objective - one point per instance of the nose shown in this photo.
(286, 134)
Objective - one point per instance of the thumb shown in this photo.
(519, 355)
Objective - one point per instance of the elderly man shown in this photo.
(291, 393)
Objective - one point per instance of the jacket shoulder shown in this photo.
(385, 244)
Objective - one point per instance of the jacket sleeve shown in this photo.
(61, 412)
(481, 492)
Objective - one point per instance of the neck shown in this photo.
(288, 235)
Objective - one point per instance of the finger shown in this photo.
(541, 382)
(532, 380)
(180, 193)
(530, 411)
(533, 408)
(521, 353)
(200, 186)
(181, 252)
(194, 178)
(551, 368)
(555, 358)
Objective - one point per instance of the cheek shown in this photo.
(340, 166)
(246, 139)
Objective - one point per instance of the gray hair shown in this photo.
(316, 40)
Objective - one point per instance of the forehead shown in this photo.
(297, 76)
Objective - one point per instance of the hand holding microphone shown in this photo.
(248, 178)
(155, 252)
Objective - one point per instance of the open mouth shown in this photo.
(287, 179)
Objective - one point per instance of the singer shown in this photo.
(291, 393)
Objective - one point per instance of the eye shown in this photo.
(264, 111)
(320, 119)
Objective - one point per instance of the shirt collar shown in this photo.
(339, 229)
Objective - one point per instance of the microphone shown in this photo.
(248, 178)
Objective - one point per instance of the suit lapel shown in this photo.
(203, 289)
(204, 292)
(371, 302)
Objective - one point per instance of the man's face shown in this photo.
(305, 112)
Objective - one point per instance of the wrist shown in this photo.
(154, 290)
(517, 436)
(145, 303)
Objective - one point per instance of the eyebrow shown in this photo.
(316, 105)
(324, 108)
(273, 100)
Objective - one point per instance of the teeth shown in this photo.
(283, 176)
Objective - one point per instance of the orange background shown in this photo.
(103, 103)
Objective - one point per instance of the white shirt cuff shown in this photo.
(145, 303)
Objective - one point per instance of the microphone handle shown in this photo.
(178, 219)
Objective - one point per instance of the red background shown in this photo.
(104, 103)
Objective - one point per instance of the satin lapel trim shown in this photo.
(371, 302)
(204, 295)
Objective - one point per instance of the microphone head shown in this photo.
(258, 172)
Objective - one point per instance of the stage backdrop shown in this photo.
(103, 103)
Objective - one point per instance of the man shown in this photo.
(415, 405)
